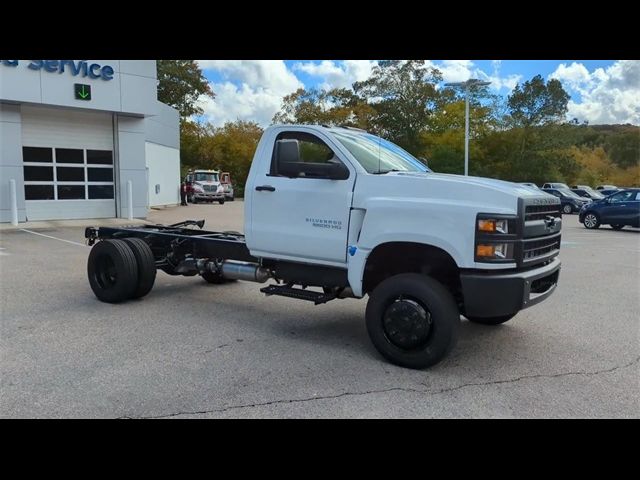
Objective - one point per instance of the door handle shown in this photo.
(268, 188)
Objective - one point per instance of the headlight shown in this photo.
(495, 237)
(494, 251)
(493, 226)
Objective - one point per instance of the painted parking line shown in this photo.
(3, 253)
(566, 243)
(55, 238)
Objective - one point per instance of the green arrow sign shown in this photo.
(83, 92)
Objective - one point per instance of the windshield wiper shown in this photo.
(382, 172)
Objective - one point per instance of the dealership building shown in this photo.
(76, 136)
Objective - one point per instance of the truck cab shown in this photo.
(367, 211)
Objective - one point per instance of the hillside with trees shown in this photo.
(523, 137)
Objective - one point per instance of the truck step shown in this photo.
(299, 293)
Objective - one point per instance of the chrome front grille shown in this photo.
(540, 212)
(538, 248)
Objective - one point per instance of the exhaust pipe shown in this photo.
(250, 272)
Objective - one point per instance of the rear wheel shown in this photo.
(617, 227)
(146, 266)
(112, 270)
(491, 320)
(591, 221)
(221, 202)
(567, 208)
(412, 320)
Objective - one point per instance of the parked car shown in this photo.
(587, 192)
(607, 187)
(570, 201)
(555, 185)
(618, 210)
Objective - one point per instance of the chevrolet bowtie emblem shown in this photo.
(549, 221)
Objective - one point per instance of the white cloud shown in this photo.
(337, 74)
(455, 70)
(574, 75)
(251, 90)
(610, 95)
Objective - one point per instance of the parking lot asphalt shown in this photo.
(190, 349)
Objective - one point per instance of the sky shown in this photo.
(602, 91)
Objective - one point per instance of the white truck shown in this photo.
(333, 212)
(204, 186)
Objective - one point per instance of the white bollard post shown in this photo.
(130, 198)
(14, 202)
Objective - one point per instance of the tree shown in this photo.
(231, 148)
(338, 106)
(538, 103)
(535, 103)
(403, 95)
(181, 83)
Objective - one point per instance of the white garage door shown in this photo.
(68, 164)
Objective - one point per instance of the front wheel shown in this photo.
(221, 202)
(412, 320)
(617, 227)
(567, 208)
(591, 221)
(491, 320)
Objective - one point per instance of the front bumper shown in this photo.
(494, 294)
(209, 197)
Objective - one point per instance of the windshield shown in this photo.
(568, 193)
(205, 177)
(593, 193)
(378, 155)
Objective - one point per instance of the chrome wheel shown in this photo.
(591, 221)
(567, 209)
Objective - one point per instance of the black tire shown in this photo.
(221, 202)
(439, 327)
(491, 320)
(567, 208)
(146, 266)
(112, 271)
(591, 221)
(617, 227)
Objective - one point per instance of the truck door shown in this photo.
(302, 214)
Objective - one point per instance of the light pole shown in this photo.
(468, 85)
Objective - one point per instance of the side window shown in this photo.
(621, 197)
(555, 193)
(304, 155)
(310, 147)
(638, 196)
